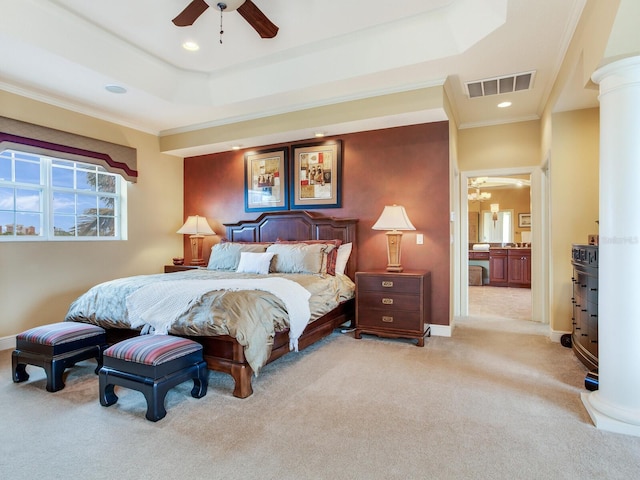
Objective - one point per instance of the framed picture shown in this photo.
(265, 180)
(317, 175)
(524, 220)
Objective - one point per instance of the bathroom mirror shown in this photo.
(500, 230)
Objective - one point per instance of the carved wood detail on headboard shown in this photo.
(297, 225)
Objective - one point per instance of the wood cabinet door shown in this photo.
(498, 270)
(519, 269)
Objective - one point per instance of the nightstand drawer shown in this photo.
(388, 283)
(388, 300)
(405, 320)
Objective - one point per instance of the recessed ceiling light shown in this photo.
(191, 46)
(235, 147)
(504, 104)
(115, 89)
(319, 134)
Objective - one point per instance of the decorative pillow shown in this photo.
(251, 262)
(342, 257)
(226, 255)
(298, 257)
(330, 255)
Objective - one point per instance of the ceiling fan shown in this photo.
(246, 8)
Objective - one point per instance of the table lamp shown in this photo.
(197, 227)
(394, 219)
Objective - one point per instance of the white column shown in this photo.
(615, 406)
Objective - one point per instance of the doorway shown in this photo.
(534, 218)
(499, 213)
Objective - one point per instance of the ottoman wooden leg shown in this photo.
(155, 396)
(107, 395)
(200, 381)
(19, 369)
(99, 357)
(54, 370)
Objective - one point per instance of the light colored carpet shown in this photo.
(513, 303)
(484, 404)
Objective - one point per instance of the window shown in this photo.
(46, 198)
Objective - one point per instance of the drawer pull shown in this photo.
(387, 301)
(387, 319)
(387, 283)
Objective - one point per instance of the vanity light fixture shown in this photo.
(495, 208)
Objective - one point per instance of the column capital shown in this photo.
(617, 73)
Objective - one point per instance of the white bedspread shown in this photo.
(160, 304)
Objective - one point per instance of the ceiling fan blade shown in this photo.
(191, 13)
(257, 19)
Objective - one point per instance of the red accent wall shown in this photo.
(405, 165)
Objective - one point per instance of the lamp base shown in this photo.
(394, 239)
(394, 268)
(196, 250)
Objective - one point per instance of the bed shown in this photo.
(228, 321)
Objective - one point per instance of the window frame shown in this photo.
(47, 190)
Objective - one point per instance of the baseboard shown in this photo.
(555, 335)
(440, 330)
(7, 343)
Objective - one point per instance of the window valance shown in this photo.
(32, 138)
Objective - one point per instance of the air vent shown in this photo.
(499, 85)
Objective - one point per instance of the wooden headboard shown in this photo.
(297, 225)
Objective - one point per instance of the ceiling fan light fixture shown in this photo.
(230, 5)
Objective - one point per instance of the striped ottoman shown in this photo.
(56, 347)
(152, 364)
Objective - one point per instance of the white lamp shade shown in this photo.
(196, 225)
(495, 207)
(393, 217)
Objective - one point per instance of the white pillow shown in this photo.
(344, 251)
(251, 262)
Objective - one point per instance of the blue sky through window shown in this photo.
(84, 198)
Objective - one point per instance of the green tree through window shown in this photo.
(52, 198)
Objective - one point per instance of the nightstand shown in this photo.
(178, 268)
(396, 305)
